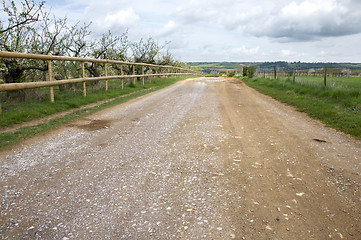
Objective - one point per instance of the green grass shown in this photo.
(338, 104)
(30, 111)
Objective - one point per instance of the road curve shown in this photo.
(205, 158)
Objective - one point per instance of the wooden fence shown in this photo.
(160, 71)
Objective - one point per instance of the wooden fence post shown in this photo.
(133, 74)
(294, 74)
(50, 76)
(275, 72)
(83, 75)
(325, 75)
(106, 74)
(150, 77)
(121, 73)
(143, 75)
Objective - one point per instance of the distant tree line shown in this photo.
(209, 67)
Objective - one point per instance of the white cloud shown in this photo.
(247, 51)
(168, 29)
(309, 20)
(213, 30)
(289, 53)
(123, 18)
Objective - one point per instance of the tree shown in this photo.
(15, 36)
(245, 71)
(346, 71)
(251, 71)
(108, 47)
(30, 30)
(231, 73)
(167, 59)
(146, 51)
(74, 44)
(16, 19)
(311, 71)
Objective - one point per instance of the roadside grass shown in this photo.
(31, 111)
(338, 105)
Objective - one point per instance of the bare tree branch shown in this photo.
(27, 16)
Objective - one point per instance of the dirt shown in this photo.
(206, 158)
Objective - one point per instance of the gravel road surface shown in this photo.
(206, 158)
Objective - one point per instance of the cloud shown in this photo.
(287, 53)
(105, 15)
(285, 21)
(247, 51)
(168, 29)
(247, 30)
(124, 18)
(310, 20)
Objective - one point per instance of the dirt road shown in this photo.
(207, 158)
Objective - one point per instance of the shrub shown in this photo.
(251, 71)
(231, 73)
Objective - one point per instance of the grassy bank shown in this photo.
(30, 111)
(338, 105)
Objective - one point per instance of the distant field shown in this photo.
(338, 104)
(332, 82)
(269, 66)
(215, 66)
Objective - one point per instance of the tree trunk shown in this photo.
(14, 76)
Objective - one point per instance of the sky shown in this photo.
(230, 30)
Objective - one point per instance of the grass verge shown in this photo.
(339, 108)
(10, 138)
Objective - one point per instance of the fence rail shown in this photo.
(160, 70)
